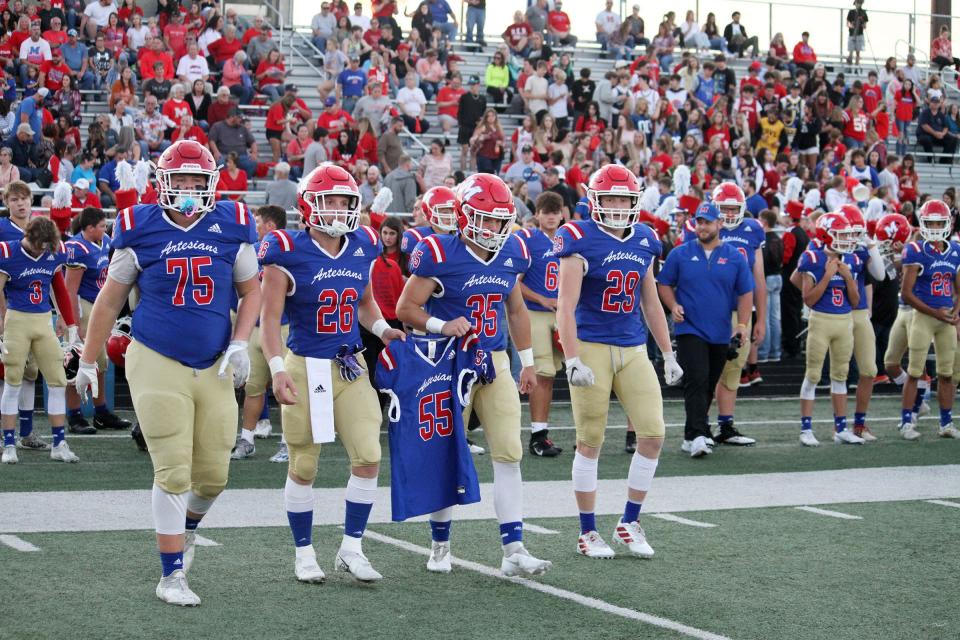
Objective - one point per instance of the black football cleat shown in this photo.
(80, 426)
(110, 421)
(138, 438)
(541, 445)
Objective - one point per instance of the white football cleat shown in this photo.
(924, 409)
(807, 438)
(174, 589)
(865, 433)
(440, 559)
(949, 431)
(263, 429)
(10, 455)
(189, 549)
(521, 563)
(847, 437)
(282, 454)
(687, 445)
(62, 453)
(357, 565)
(475, 449)
(631, 534)
(592, 545)
(306, 567)
(908, 431)
(699, 447)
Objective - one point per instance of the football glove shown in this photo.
(483, 366)
(671, 370)
(579, 374)
(237, 356)
(350, 365)
(87, 377)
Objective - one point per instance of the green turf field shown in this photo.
(886, 570)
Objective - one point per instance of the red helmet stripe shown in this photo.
(574, 230)
(438, 255)
(386, 359)
(370, 232)
(286, 244)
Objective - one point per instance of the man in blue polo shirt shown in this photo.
(694, 272)
(350, 84)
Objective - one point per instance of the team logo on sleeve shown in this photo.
(415, 258)
(557, 243)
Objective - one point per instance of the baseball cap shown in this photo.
(82, 183)
(290, 87)
(755, 65)
(330, 101)
(795, 85)
(23, 127)
(43, 92)
(558, 171)
(934, 95)
(525, 148)
(708, 211)
(474, 79)
(403, 46)
(354, 58)
(72, 32)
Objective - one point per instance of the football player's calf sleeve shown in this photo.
(642, 470)
(361, 490)
(808, 390)
(507, 491)
(838, 387)
(297, 498)
(584, 472)
(10, 400)
(169, 511)
(56, 400)
(28, 394)
(198, 504)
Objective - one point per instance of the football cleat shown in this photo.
(699, 447)
(630, 445)
(521, 563)
(282, 455)
(541, 445)
(807, 438)
(754, 377)
(62, 453)
(242, 450)
(79, 426)
(189, 549)
(730, 436)
(173, 589)
(865, 433)
(475, 449)
(949, 431)
(110, 421)
(33, 441)
(137, 434)
(908, 431)
(263, 429)
(357, 565)
(306, 567)
(744, 380)
(847, 437)
(440, 558)
(632, 536)
(687, 446)
(590, 544)
(924, 409)
(10, 455)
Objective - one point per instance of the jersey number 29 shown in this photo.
(621, 295)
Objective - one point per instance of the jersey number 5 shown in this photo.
(837, 296)
(339, 305)
(621, 295)
(188, 269)
(483, 313)
(435, 415)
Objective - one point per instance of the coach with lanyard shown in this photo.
(700, 283)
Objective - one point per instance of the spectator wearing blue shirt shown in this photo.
(30, 110)
(693, 272)
(755, 202)
(706, 90)
(107, 180)
(75, 56)
(932, 127)
(440, 10)
(84, 169)
(350, 84)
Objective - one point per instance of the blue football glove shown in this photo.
(348, 360)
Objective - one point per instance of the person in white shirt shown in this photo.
(323, 26)
(411, 101)
(607, 22)
(193, 66)
(34, 49)
(692, 36)
(835, 195)
(96, 14)
(557, 95)
(137, 34)
(357, 19)
(535, 90)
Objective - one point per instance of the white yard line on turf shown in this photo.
(945, 503)
(18, 543)
(572, 596)
(532, 528)
(200, 541)
(669, 517)
(827, 512)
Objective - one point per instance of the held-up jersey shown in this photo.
(413, 236)
(835, 298)
(468, 286)
(543, 276)
(934, 284)
(608, 311)
(29, 278)
(430, 463)
(185, 279)
(93, 259)
(325, 289)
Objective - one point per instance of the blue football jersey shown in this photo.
(430, 463)
(322, 305)
(29, 278)
(9, 230)
(186, 278)
(468, 286)
(543, 276)
(835, 298)
(934, 285)
(94, 259)
(412, 237)
(609, 311)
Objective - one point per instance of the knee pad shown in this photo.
(642, 470)
(808, 390)
(173, 479)
(56, 400)
(169, 511)
(303, 461)
(10, 400)
(584, 472)
(199, 504)
(838, 387)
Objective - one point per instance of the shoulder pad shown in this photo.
(5, 250)
(524, 251)
(371, 234)
(436, 248)
(78, 245)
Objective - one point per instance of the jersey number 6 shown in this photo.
(435, 415)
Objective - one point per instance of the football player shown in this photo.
(437, 210)
(539, 288)
(187, 254)
(929, 281)
(319, 276)
(269, 219)
(88, 254)
(864, 337)
(463, 283)
(607, 299)
(27, 268)
(892, 232)
(827, 276)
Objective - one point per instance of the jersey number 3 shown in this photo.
(435, 415)
(187, 270)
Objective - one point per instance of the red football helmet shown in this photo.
(439, 207)
(858, 226)
(835, 233)
(935, 221)
(187, 157)
(614, 180)
(481, 198)
(325, 181)
(892, 229)
(118, 341)
(732, 203)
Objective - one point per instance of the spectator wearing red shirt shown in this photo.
(753, 76)
(872, 94)
(83, 197)
(189, 131)
(258, 25)
(590, 122)
(53, 70)
(909, 180)
(278, 122)
(333, 118)
(517, 35)
(127, 11)
(366, 141)
(803, 54)
(297, 149)
(175, 106)
(232, 178)
(855, 124)
(448, 103)
(558, 27)
(907, 102)
(224, 48)
(55, 35)
(749, 105)
(175, 35)
(153, 53)
(270, 74)
(21, 33)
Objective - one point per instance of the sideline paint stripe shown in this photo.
(669, 517)
(18, 543)
(200, 541)
(586, 601)
(945, 503)
(532, 528)
(827, 512)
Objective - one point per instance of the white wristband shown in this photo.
(526, 357)
(379, 327)
(276, 365)
(435, 325)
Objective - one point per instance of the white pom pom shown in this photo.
(141, 176)
(382, 200)
(62, 195)
(681, 180)
(794, 187)
(650, 199)
(669, 204)
(812, 199)
(125, 175)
